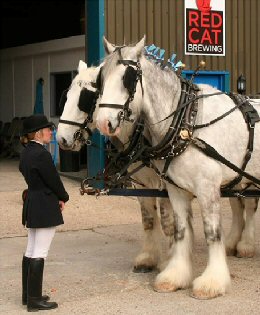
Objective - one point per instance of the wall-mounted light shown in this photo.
(241, 84)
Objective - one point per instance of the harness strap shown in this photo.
(111, 105)
(218, 118)
(135, 158)
(166, 165)
(126, 62)
(165, 177)
(187, 103)
(211, 152)
(123, 179)
(74, 123)
(251, 117)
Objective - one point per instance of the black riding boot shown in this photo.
(34, 299)
(25, 268)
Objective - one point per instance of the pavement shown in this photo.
(89, 267)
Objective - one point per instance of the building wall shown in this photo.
(162, 21)
(22, 88)
(6, 91)
(126, 22)
(21, 67)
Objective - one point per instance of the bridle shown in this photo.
(87, 104)
(130, 79)
(78, 135)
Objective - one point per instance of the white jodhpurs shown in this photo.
(39, 242)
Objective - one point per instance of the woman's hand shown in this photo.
(62, 205)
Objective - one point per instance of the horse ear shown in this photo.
(109, 48)
(140, 46)
(82, 66)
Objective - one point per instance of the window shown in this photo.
(59, 82)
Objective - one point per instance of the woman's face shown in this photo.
(44, 135)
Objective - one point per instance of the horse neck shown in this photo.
(162, 89)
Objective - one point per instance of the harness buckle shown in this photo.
(118, 176)
(171, 153)
(237, 194)
(132, 154)
(121, 115)
(185, 134)
(162, 176)
(88, 142)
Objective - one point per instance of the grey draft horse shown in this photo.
(193, 173)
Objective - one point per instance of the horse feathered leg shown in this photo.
(178, 272)
(166, 213)
(151, 253)
(237, 225)
(246, 246)
(215, 280)
(167, 224)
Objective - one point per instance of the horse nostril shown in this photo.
(110, 127)
(64, 141)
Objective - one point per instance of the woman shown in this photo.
(42, 210)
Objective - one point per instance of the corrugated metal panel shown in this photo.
(163, 23)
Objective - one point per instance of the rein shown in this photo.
(187, 103)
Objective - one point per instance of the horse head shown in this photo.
(121, 87)
(79, 105)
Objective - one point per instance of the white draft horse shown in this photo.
(157, 214)
(193, 173)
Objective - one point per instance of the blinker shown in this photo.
(87, 100)
(130, 79)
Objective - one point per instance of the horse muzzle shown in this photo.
(106, 128)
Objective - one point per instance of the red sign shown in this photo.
(204, 28)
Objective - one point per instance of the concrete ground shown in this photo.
(89, 267)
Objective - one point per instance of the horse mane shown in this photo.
(163, 84)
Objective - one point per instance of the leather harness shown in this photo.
(178, 136)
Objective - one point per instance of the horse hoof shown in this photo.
(164, 287)
(245, 254)
(143, 269)
(245, 250)
(202, 295)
